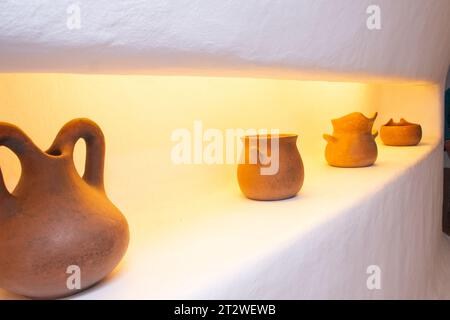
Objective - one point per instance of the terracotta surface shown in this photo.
(352, 144)
(285, 183)
(54, 218)
(402, 133)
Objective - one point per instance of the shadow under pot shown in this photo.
(271, 167)
(56, 226)
(352, 144)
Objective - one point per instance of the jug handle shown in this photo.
(18, 142)
(91, 133)
(4, 193)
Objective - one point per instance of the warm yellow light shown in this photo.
(139, 113)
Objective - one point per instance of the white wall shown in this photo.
(416, 103)
(290, 38)
(139, 113)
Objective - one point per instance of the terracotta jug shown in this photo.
(276, 171)
(56, 221)
(352, 144)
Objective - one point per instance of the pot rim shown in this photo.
(269, 136)
(354, 114)
(401, 124)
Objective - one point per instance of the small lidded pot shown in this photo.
(271, 167)
(352, 144)
(401, 133)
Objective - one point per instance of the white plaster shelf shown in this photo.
(221, 245)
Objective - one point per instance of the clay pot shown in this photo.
(352, 144)
(401, 133)
(55, 219)
(271, 168)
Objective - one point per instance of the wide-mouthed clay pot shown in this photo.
(352, 144)
(56, 226)
(272, 168)
(402, 133)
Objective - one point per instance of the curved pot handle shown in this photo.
(18, 142)
(91, 133)
(4, 193)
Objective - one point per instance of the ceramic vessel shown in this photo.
(401, 133)
(272, 168)
(352, 144)
(55, 219)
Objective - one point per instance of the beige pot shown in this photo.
(352, 144)
(402, 133)
(272, 168)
